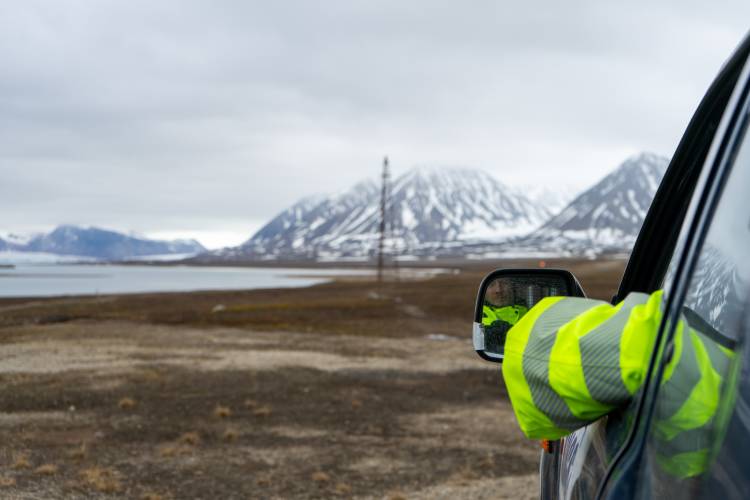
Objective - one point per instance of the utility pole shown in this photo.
(383, 203)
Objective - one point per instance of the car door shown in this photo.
(715, 305)
(581, 463)
(677, 444)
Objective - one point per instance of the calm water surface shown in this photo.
(68, 279)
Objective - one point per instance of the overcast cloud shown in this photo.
(206, 118)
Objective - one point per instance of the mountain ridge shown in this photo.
(608, 216)
(98, 243)
(427, 206)
(433, 212)
(455, 212)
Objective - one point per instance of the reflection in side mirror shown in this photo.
(506, 295)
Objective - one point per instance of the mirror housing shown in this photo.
(506, 295)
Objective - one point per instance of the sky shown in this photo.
(206, 118)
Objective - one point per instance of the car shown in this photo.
(695, 245)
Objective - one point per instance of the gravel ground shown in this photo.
(118, 409)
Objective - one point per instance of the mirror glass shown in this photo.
(506, 300)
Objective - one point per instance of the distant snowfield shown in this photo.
(475, 231)
(11, 258)
(169, 257)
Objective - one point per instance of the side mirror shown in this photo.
(506, 295)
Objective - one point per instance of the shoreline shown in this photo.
(297, 271)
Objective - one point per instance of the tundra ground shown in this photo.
(348, 389)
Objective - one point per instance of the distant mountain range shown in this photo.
(431, 213)
(427, 207)
(451, 212)
(96, 243)
(608, 216)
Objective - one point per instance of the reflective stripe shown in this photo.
(533, 422)
(688, 417)
(676, 353)
(601, 363)
(685, 375)
(684, 465)
(702, 401)
(538, 364)
(637, 341)
(566, 369)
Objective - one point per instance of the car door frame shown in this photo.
(657, 240)
(716, 168)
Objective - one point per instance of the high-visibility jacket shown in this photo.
(508, 314)
(570, 361)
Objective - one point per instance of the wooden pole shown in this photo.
(383, 202)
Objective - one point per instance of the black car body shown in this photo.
(694, 244)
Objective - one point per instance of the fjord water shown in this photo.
(88, 279)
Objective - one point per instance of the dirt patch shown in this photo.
(524, 487)
(373, 424)
(123, 346)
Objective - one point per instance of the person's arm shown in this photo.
(569, 361)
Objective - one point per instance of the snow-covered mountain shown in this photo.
(450, 212)
(554, 198)
(429, 209)
(97, 243)
(608, 216)
(718, 290)
(8, 240)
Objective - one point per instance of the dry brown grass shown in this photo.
(356, 404)
(80, 452)
(190, 438)
(464, 476)
(263, 411)
(153, 496)
(320, 477)
(222, 412)
(263, 481)
(488, 462)
(396, 495)
(183, 445)
(149, 375)
(173, 450)
(250, 403)
(231, 435)
(104, 480)
(7, 482)
(126, 403)
(21, 462)
(47, 470)
(343, 489)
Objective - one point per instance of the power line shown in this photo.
(383, 202)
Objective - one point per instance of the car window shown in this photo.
(696, 395)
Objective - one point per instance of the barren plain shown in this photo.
(349, 389)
